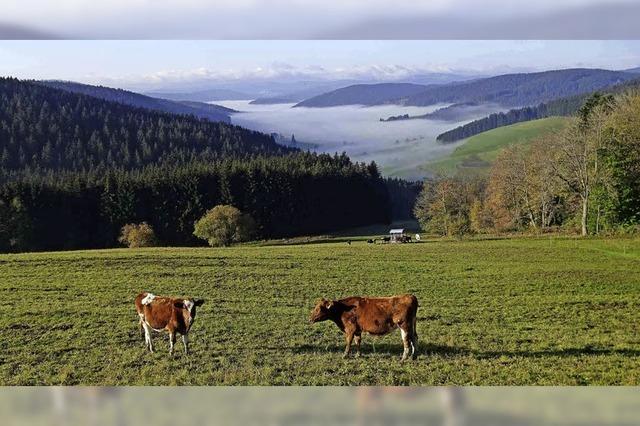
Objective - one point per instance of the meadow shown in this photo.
(512, 311)
(478, 152)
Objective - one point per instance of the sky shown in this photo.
(318, 19)
(157, 64)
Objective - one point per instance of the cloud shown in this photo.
(291, 19)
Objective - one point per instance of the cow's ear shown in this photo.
(199, 302)
(329, 304)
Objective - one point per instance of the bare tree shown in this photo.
(577, 163)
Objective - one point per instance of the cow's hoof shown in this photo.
(345, 356)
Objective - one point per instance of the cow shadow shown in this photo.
(566, 352)
(372, 348)
(431, 349)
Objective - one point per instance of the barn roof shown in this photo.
(397, 231)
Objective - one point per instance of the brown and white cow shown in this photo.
(373, 315)
(159, 313)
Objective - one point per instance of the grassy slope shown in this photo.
(479, 151)
(518, 311)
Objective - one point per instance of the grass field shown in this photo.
(478, 152)
(505, 311)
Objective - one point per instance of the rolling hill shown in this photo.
(507, 90)
(522, 89)
(558, 107)
(478, 152)
(125, 97)
(363, 94)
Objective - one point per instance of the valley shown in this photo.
(399, 148)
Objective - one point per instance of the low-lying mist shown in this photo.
(400, 147)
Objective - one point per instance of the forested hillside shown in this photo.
(580, 173)
(197, 109)
(559, 107)
(74, 169)
(522, 89)
(44, 128)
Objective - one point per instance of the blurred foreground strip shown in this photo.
(318, 406)
(319, 19)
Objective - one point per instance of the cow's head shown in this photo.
(321, 310)
(189, 308)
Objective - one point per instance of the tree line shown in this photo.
(297, 194)
(585, 177)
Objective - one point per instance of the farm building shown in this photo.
(397, 235)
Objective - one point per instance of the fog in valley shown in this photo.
(400, 148)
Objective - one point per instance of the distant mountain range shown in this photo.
(207, 95)
(510, 90)
(197, 109)
(299, 94)
(306, 90)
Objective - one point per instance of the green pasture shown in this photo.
(515, 311)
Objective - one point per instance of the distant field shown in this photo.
(479, 151)
(509, 311)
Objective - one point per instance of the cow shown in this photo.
(373, 315)
(166, 313)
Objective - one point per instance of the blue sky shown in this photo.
(133, 64)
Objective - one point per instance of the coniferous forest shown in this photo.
(75, 169)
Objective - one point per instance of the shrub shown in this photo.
(224, 225)
(138, 235)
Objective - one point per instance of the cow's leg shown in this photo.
(414, 346)
(414, 340)
(147, 335)
(172, 341)
(349, 338)
(185, 342)
(141, 324)
(406, 339)
(357, 340)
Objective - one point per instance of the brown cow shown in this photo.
(166, 313)
(374, 315)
